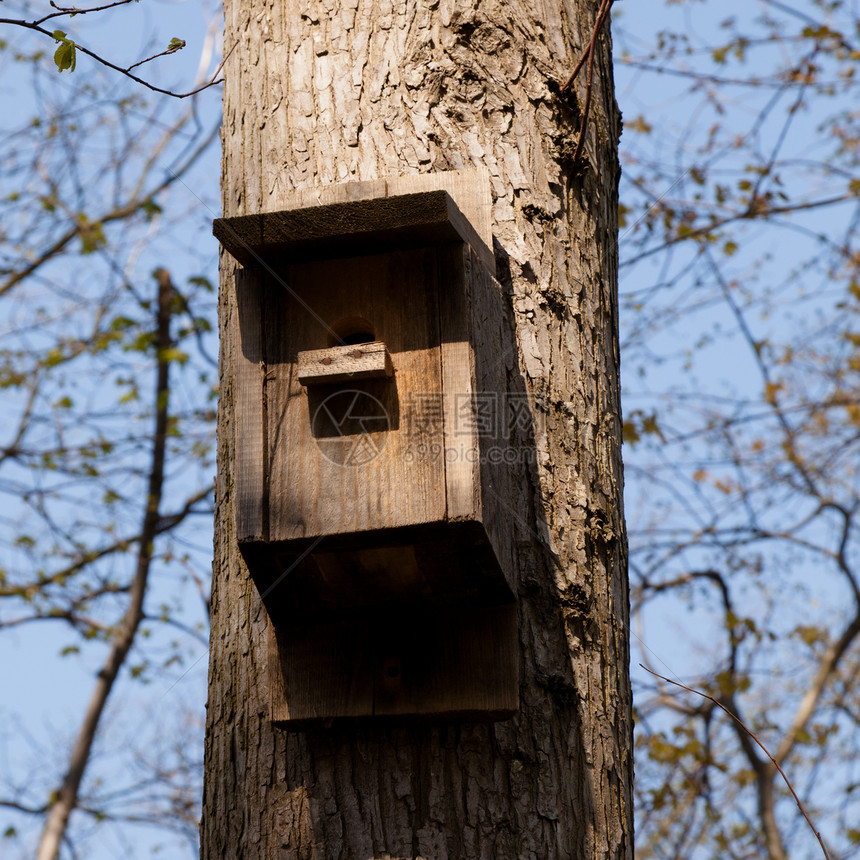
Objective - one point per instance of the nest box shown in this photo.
(371, 487)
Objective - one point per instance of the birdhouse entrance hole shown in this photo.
(351, 332)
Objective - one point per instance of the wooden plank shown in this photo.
(320, 672)
(319, 579)
(249, 418)
(409, 662)
(345, 459)
(495, 350)
(344, 363)
(338, 192)
(449, 663)
(353, 579)
(462, 479)
(278, 706)
(350, 227)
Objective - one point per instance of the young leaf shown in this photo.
(64, 56)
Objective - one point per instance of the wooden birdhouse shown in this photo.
(371, 474)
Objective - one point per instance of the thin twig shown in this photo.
(583, 128)
(763, 748)
(63, 11)
(588, 55)
(601, 14)
(156, 56)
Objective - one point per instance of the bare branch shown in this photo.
(826, 669)
(165, 523)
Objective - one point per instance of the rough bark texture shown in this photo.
(318, 93)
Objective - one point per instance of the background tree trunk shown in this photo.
(364, 89)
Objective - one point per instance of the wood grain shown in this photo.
(343, 459)
(462, 466)
(500, 452)
(469, 188)
(249, 422)
(449, 663)
(320, 672)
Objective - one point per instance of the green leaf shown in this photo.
(54, 357)
(200, 281)
(64, 56)
(150, 209)
(173, 354)
(629, 433)
(176, 44)
(92, 236)
(649, 425)
(121, 323)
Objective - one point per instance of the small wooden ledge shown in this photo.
(344, 363)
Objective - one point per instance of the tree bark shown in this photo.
(318, 93)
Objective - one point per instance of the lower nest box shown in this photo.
(411, 624)
(431, 663)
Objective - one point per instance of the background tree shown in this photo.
(104, 458)
(366, 91)
(740, 302)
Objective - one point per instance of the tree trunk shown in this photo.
(319, 93)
